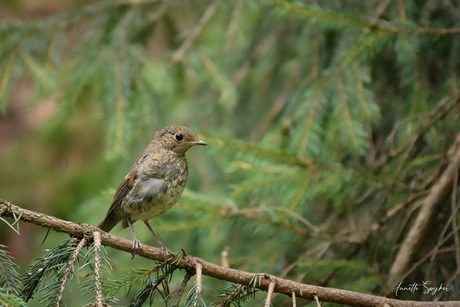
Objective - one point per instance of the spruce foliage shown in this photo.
(327, 121)
(10, 280)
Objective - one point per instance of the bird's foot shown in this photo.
(166, 252)
(136, 247)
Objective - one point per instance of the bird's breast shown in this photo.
(156, 190)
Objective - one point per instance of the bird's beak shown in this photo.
(200, 142)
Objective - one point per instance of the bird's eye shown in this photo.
(179, 137)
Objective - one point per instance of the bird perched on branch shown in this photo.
(154, 183)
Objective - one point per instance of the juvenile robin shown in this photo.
(154, 183)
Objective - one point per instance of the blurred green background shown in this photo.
(321, 117)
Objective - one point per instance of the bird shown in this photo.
(153, 184)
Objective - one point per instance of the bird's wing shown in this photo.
(149, 189)
(127, 184)
(114, 214)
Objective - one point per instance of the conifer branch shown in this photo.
(444, 107)
(176, 296)
(69, 270)
(199, 278)
(69, 19)
(271, 288)
(97, 268)
(189, 262)
(179, 54)
(318, 304)
(353, 21)
(52, 267)
(239, 294)
(424, 221)
(10, 280)
(151, 286)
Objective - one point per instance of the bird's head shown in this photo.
(177, 139)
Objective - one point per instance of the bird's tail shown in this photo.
(108, 222)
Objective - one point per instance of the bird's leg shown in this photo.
(164, 250)
(136, 243)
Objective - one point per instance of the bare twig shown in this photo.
(69, 270)
(454, 207)
(318, 304)
(97, 268)
(188, 262)
(199, 278)
(176, 296)
(277, 106)
(224, 257)
(412, 242)
(234, 22)
(271, 288)
(444, 107)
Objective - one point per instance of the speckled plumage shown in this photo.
(154, 183)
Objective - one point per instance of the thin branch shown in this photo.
(318, 304)
(179, 54)
(176, 296)
(199, 278)
(435, 250)
(188, 262)
(422, 224)
(224, 257)
(445, 106)
(276, 107)
(234, 22)
(69, 270)
(353, 21)
(97, 268)
(454, 208)
(271, 288)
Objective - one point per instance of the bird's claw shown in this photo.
(165, 252)
(136, 247)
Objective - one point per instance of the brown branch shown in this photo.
(69, 270)
(97, 268)
(283, 286)
(271, 288)
(424, 220)
(199, 278)
(318, 304)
